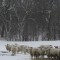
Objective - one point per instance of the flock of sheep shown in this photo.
(36, 52)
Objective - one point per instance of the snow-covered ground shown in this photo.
(7, 56)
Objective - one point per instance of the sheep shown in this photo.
(58, 53)
(8, 47)
(35, 52)
(43, 52)
(46, 46)
(31, 52)
(24, 49)
(18, 47)
(28, 49)
(53, 53)
(21, 48)
(44, 49)
(50, 52)
(14, 50)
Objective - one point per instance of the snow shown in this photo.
(7, 56)
(13, 58)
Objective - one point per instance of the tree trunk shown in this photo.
(2, 32)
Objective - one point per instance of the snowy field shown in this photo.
(4, 55)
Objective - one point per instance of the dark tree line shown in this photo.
(25, 20)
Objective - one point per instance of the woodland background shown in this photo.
(30, 20)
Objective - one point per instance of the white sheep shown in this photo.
(21, 48)
(53, 53)
(46, 46)
(35, 52)
(44, 49)
(58, 53)
(14, 50)
(24, 49)
(18, 47)
(8, 47)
